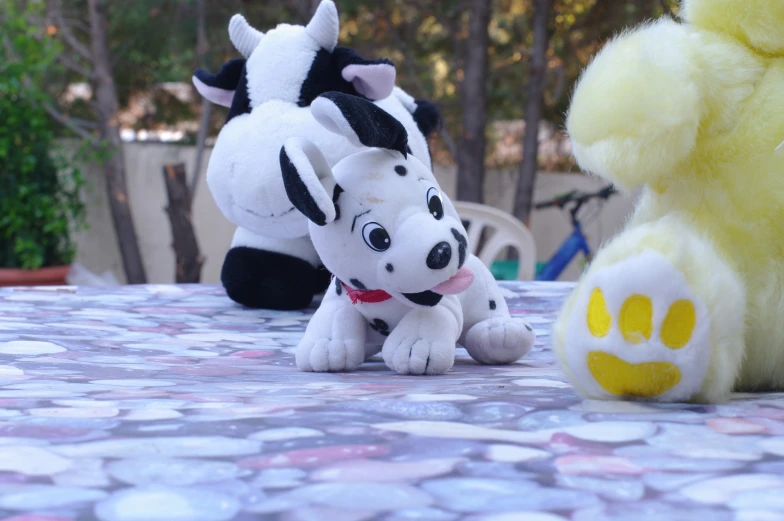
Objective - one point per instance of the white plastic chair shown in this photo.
(509, 232)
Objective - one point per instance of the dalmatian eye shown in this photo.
(376, 237)
(434, 203)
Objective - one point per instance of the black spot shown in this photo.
(380, 326)
(425, 298)
(401, 170)
(335, 195)
(357, 284)
(461, 250)
(528, 327)
(390, 268)
(427, 117)
(492, 304)
(241, 103)
(323, 77)
(338, 286)
(270, 280)
(326, 74)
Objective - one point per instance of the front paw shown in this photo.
(329, 355)
(417, 356)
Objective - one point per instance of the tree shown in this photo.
(471, 154)
(533, 110)
(107, 110)
(93, 61)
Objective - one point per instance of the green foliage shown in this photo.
(39, 192)
(154, 41)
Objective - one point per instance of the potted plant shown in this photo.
(39, 192)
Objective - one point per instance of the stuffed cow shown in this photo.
(686, 304)
(272, 263)
(405, 283)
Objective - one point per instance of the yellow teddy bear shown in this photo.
(687, 303)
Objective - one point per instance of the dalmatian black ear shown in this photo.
(308, 180)
(360, 121)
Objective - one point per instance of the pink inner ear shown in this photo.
(218, 96)
(375, 81)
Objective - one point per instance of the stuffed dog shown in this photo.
(404, 280)
(272, 263)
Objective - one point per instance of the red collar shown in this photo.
(366, 296)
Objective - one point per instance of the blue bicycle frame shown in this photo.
(573, 245)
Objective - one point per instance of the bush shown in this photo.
(39, 191)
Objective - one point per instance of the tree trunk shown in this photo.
(108, 108)
(471, 153)
(186, 246)
(533, 111)
(206, 107)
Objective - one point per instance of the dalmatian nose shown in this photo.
(439, 256)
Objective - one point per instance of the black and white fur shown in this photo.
(272, 263)
(379, 221)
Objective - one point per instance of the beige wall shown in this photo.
(98, 249)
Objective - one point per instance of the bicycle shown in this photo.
(576, 242)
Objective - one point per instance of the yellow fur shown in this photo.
(693, 111)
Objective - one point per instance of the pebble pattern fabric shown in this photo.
(173, 403)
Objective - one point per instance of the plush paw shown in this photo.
(329, 354)
(417, 356)
(637, 330)
(499, 340)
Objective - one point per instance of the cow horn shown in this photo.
(325, 25)
(244, 37)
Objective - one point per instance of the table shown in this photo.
(171, 402)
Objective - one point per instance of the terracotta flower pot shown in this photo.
(50, 276)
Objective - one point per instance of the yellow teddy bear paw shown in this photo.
(637, 330)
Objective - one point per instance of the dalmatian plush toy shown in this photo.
(404, 280)
(272, 263)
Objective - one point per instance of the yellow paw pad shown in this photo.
(678, 325)
(636, 319)
(599, 319)
(620, 378)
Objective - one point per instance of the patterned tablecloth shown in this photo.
(172, 403)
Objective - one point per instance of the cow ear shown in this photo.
(219, 88)
(360, 121)
(308, 180)
(373, 79)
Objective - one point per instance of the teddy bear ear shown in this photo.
(307, 177)
(360, 121)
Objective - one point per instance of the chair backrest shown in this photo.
(509, 232)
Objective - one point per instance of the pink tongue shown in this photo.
(459, 282)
